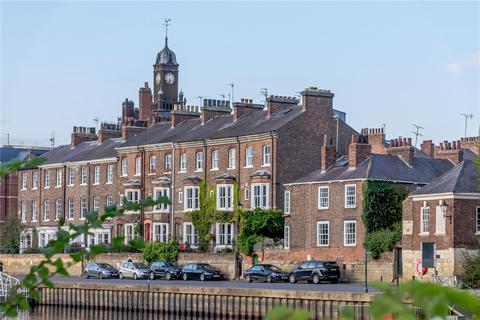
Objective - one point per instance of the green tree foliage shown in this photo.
(155, 251)
(471, 265)
(383, 240)
(258, 223)
(10, 241)
(382, 204)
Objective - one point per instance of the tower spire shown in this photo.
(166, 24)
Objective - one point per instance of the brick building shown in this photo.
(9, 183)
(323, 209)
(253, 145)
(440, 221)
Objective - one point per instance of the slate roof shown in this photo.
(215, 128)
(382, 167)
(8, 153)
(90, 150)
(463, 178)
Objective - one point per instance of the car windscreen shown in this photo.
(140, 265)
(206, 266)
(331, 264)
(273, 268)
(105, 266)
(171, 264)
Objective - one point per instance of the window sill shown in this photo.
(182, 171)
(441, 234)
(323, 245)
(152, 174)
(265, 165)
(58, 187)
(350, 245)
(424, 234)
(232, 168)
(323, 208)
(70, 185)
(247, 167)
(350, 207)
(34, 188)
(137, 175)
(46, 188)
(108, 182)
(215, 169)
(23, 189)
(96, 184)
(198, 170)
(167, 172)
(83, 184)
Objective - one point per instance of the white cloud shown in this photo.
(468, 62)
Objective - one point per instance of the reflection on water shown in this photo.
(71, 313)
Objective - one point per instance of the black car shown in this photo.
(165, 269)
(202, 271)
(265, 272)
(315, 271)
(100, 270)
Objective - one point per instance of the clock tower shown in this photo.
(165, 80)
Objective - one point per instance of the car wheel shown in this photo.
(152, 276)
(269, 279)
(202, 277)
(185, 277)
(168, 276)
(248, 278)
(291, 278)
(135, 277)
(120, 275)
(334, 280)
(85, 275)
(316, 279)
(102, 276)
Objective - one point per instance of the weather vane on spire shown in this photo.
(166, 24)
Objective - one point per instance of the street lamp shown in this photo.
(237, 251)
(366, 270)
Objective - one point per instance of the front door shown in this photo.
(428, 254)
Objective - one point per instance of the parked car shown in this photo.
(265, 272)
(315, 271)
(202, 271)
(165, 269)
(135, 270)
(100, 270)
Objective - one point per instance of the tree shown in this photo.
(10, 234)
(155, 251)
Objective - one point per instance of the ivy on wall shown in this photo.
(382, 215)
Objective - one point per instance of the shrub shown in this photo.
(383, 240)
(154, 251)
(471, 266)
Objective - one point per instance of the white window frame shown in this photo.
(71, 209)
(323, 202)
(124, 167)
(83, 207)
(108, 201)
(477, 218)
(23, 211)
(129, 236)
(180, 196)
(246, 194)
(152, 165)
(132, 195)
(109, 174)
(261, 196)
(84, 176)
(47, 177)
(349, 197)
(58, 209)
(286, 237)
(248, 157)
(46, 210)
(96, 175)
(182, 166)
(167, 165)
(425, 220)
(192, 237)
(215, 160)
(24, 181)
(138, 166)
(321, 236)
(164, 192)
(347, 243)
(225, 195)
(34, 210)
(162, 235)
(199, 161)
(192, 198)
(232, 155)
(96, 204)
(35, 180)
(224, 234)
(286, 202)
(267, 155)
(71, 176)
(58, 178)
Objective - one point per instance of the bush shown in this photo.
(383, 240)
(471, 266)
(154, 251)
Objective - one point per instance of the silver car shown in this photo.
(135, 270)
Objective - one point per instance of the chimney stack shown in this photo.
(319, 101)
(128, 111)
(358, 150)
(275, 103)
(145, 102)
(212, 108)
(182, 113)
(450, 150)
(131, 131)
(376, 138)
(245, 106)
(402, 148)
(428, 147)
(109, 131)
(82, 134)
(327, 155)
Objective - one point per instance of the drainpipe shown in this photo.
(142, 190)
(172, 194)
(274, 177)
(64, 186)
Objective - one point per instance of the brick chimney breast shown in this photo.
(182, 113)
(245, 106)
(358, 150)
(376, 138)
(428, 147)
(212, 108)
(82, 134)
(275, 103)
(145, 102)
(403, 149)
(328, 155)
(318, 100)
(109, 131)
(450, 150)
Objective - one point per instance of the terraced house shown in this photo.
(255, 146)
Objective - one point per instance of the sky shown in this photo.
(389, 64)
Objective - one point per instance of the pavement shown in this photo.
(302, 286)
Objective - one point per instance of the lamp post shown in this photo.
(237, 251)
(366, 270)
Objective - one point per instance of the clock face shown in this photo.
(158, 78)
(169, 78)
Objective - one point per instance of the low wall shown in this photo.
(221, 303)
(352, 271)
